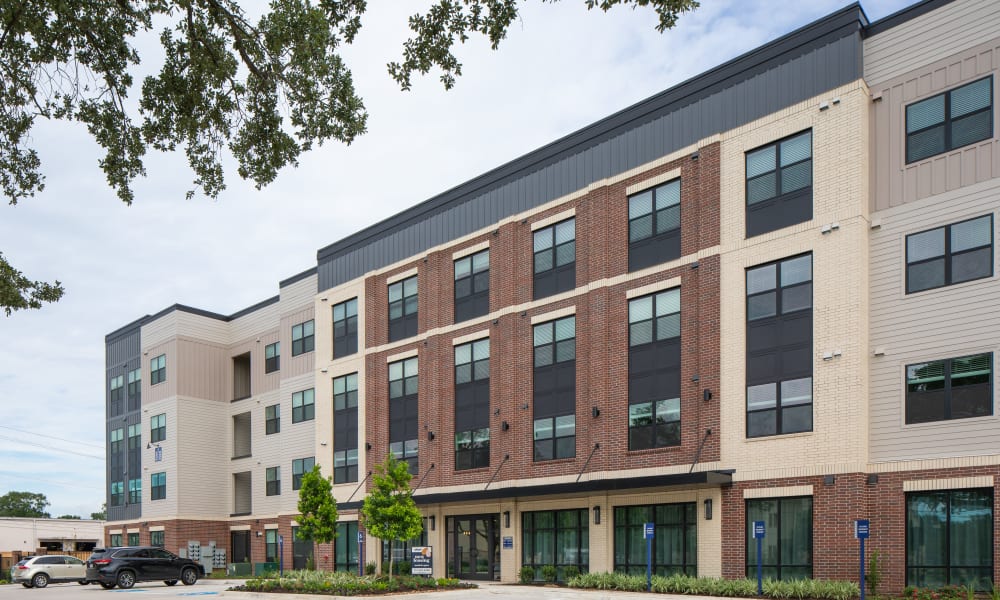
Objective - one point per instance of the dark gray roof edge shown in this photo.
(298, 277)
(845, 21)
(126, 330)
(903, 15)
(254, 308)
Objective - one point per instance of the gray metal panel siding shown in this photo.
(122, 354)
(799, 78)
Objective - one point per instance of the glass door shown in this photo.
(473, 548)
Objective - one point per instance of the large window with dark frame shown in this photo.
(116, 451)
(654, 370)
(133, 539)
(272, 481)
(134, 448)
(403, 307)
(303, 337)
(158, 486)
(556, 537)
(675, 539)
(271, 545)
(272, 419)
(134, 388)
(158, 428)
(301, 466)
(654, 225)
(950, 120)
(779, 184)
(554, 259)
(117, 494)
(779, 347)
(400, 550)
(116, 540)
(345, 328)
(403, 407)
(304, 405)
(555, 389)
(472, 405)
(345, 550)
(135, 491)
(953, 388)
(472, 286)
(157, 538)
(345, 428)
(158, 369)
(302, 550)
(949, 538)
(272, 357)
(787, 548)
(116, 394)
(948, 255)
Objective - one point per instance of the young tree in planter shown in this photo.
(389, 512)
(317, 507)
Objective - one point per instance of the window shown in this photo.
(779, 184)
(403, 407)
(472, 286)
(654, 370)
(555, 389)
(116, 540)
(954, 388)
(401, 550)
(158, 370)
(116, 451)
(117, 494)
(156, 538)
(555, 259)
(158, 486)
(403, 309)
(787, 548)
(300, 466)
(303, 337)
(134, 448)
(303, 406)
(654, 226)
(345, 328)
(345, 549)
(115, 395)
(134, 388)
(949, 538)
(272, 357)
(271, 545)
(949, 120)
(133, 539)
(675, 539)
(302, 550)
(779, 347)
(472, 405)
(134, 491)
(272, 419)
(158, 428)
(345, 428)
(272, 481)
(556, 537)
(950, 254)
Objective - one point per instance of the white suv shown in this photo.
(39, 571)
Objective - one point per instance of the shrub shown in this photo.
(527, 574)
(549, 573)
(569, 572)
(403, 567)
(710, 586)
(370, 568)
(344, 584)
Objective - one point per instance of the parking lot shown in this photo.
(205, 587)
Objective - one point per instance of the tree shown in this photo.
(263, 91)
(24, 504)
(318, 508)
(389, 512)
(102, 515)
(73, 517)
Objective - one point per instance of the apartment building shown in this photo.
(727, 303)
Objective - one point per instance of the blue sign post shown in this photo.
(861, 532)
(361, 554)
(758, 534)
(648, 531)
(281, 555)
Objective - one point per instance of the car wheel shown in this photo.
(107, 586)
(83, 582)
(125, 579)
(26, 584)
(40, 580)
(171, 582)
(189, 576)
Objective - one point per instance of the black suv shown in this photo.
(126, 565)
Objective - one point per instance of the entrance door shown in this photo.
(474, 547)
(241, 546)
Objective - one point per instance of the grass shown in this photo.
(345, 584)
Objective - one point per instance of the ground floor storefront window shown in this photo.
(787, 545)
(400, 549)
(675, 543)
(555, 537)
(302, 551)
(345, 548)
(949, 538)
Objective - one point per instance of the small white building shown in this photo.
(57, 535)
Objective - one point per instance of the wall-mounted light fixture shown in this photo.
(595, 412)
(433, 522)
(829, 479)
(259, 534)
(706, 395)
(597, 515)
(430, 436)
(708, 509)
(506, 519)
(505, 426)
(872, 479)
(368, 446)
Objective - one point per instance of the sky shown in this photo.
(561, 68)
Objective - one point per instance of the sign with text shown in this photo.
(861, 529)
(508, 542)
(758, 530)
(421, 560)
(648, 530)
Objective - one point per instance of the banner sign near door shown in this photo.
(421, 560)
